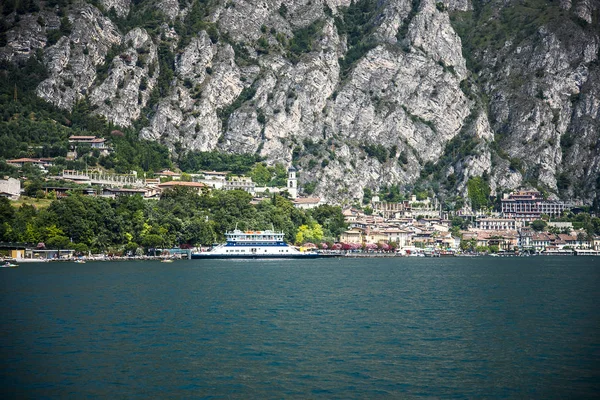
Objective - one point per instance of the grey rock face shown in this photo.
(121, 97)
(537, 87)
(28, 35)
(189, 115)
(530, 108)
(121, 7)
(72, 61)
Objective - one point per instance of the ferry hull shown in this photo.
(212, 256)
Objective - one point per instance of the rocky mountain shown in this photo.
(356, 93)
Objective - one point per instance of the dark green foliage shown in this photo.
(141, 15)
(166, 61)
(479, 192)
(283, 10)
(403, 158)
(488, 29)
(367, 195)
(356, 22)
(303, 39)
(392, 194)
(216, 161)
(27, 120)
(377, 151)
(538, 225)
(563, 181)
(260, 117)
(566, 141)
(8, 6)
(246, 94)
(143, 83)
(403, 30)
(309, 187)
(102, 70)
(53, 36)
(330, 218)
(354, 54)
(131, 153)
(195, 21)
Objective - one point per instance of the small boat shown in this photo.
(166, 260)
(8, 265)
(79, 261)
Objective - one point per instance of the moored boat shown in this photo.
(255, 244)
(8, 265)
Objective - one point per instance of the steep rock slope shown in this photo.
(358, 94)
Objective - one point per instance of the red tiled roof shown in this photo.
(180, 183)
(24, 160)
(307, 200)
(82, 137)
(167, 172)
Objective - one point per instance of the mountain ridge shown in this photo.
(359, 95)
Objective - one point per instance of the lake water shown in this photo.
(337, 328)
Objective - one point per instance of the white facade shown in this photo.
(11, 187)
(292, 183)
(498, 224)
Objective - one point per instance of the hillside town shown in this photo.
(526, 223)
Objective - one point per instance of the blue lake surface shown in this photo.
(336, 328)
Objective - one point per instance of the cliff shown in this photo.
(360, 94)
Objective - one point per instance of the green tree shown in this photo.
(311, 233)
(539, 225)
(479, 192)
(261, 174)
(199, 232)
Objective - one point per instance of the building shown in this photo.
(61, 192)
(354, 235)
(530, 205)
(168, 174)
(73, 140)
(198, 186)
(213, 179)
(292, 182)
(215, 175)
(93, 141)
(539, 241)
(240, 183)
(399, 236)
(561, 225)
(118, 192)
(390, 210)
(306, 203)
(373, 236)
(38, 162)
(497, 224)
(524, 239)
(10, 188)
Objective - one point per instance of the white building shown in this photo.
(292, 183)
(239, 183)
(306, 203)
(498, 224)
(10, 187)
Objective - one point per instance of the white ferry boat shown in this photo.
(255, 244)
